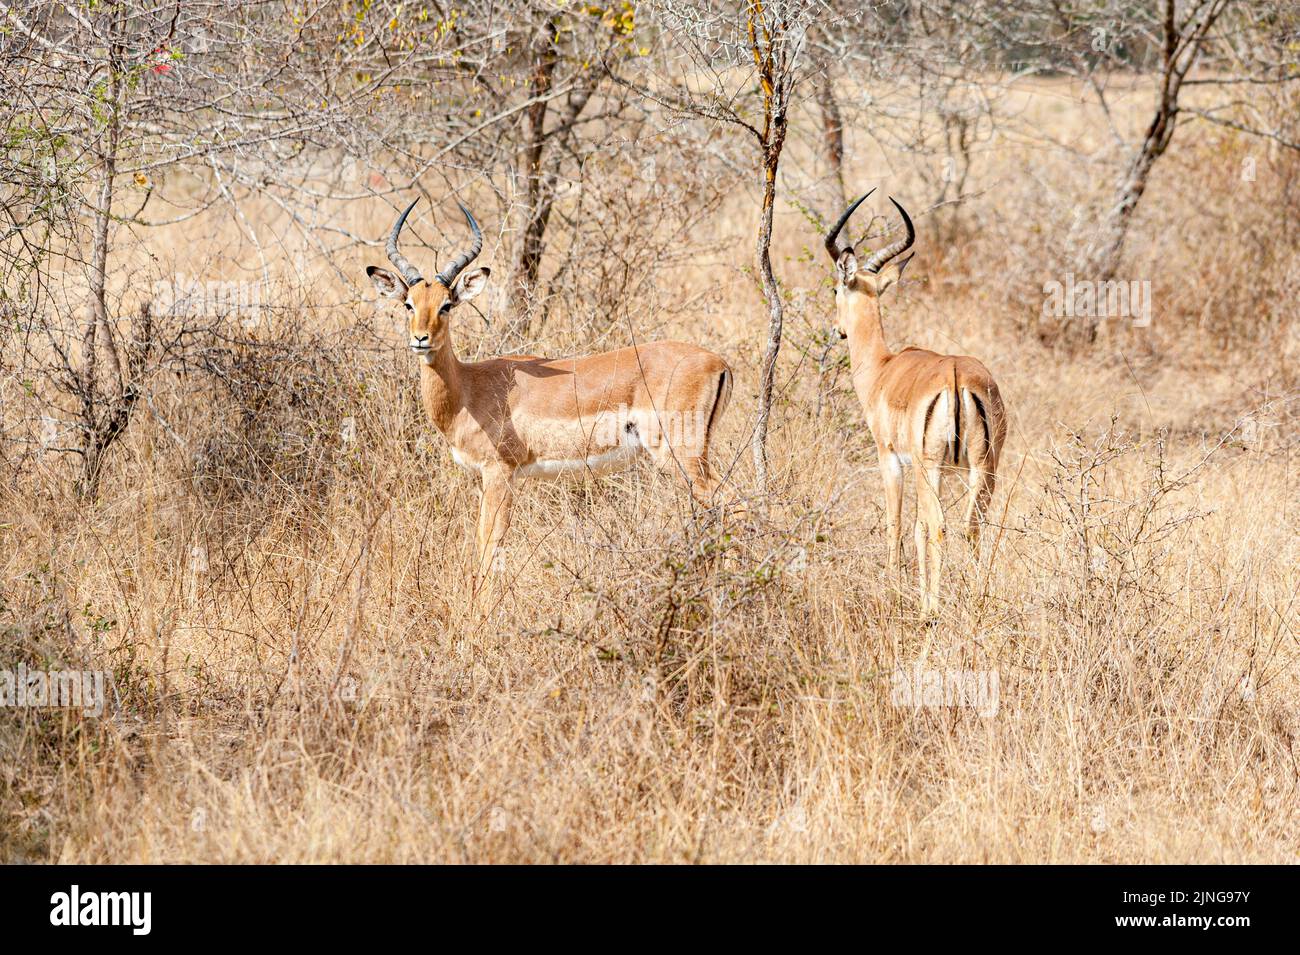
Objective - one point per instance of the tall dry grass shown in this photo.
(276, 572)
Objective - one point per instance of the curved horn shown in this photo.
(457, 265)
(881, 256)
(832, 237)
(409, 271)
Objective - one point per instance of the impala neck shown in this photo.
(861, 319)
(440, 381)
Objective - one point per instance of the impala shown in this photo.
(934, 412)
(522, 416)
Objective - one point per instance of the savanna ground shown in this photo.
(280, 584)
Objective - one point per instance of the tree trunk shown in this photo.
(832, 137)
(1114, 229)
(105, 406)
(539, 185)
(1182, 46)
(775, 316)
(775, 80)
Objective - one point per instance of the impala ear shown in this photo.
(389, 284)
(846, 266)
(469, 285)
(890, 274)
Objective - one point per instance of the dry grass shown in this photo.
(655, 687)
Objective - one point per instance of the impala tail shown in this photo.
(941, 431)
(961, 427)
(978, 444)
(956, 449)
(983, 426)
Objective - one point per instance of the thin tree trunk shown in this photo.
(832, 136)
(775, 81)
(539, 193)
(1182, 47)
(98, 429)
(539, 187)
(1105, 259)
(775, 317)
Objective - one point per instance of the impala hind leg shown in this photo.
(981, 458)
(697, 435)
(929, 534)
(691, 468)
(679, 442)
(694, 435)
(495, 504)
(703, 482)
(981, 482)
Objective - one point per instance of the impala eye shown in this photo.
(444, 308)
(409, 307)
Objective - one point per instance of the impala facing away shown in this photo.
(934, 412)
(523, 416)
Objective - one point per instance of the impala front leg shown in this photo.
(493, 521)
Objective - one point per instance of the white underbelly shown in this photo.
(610, 460)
